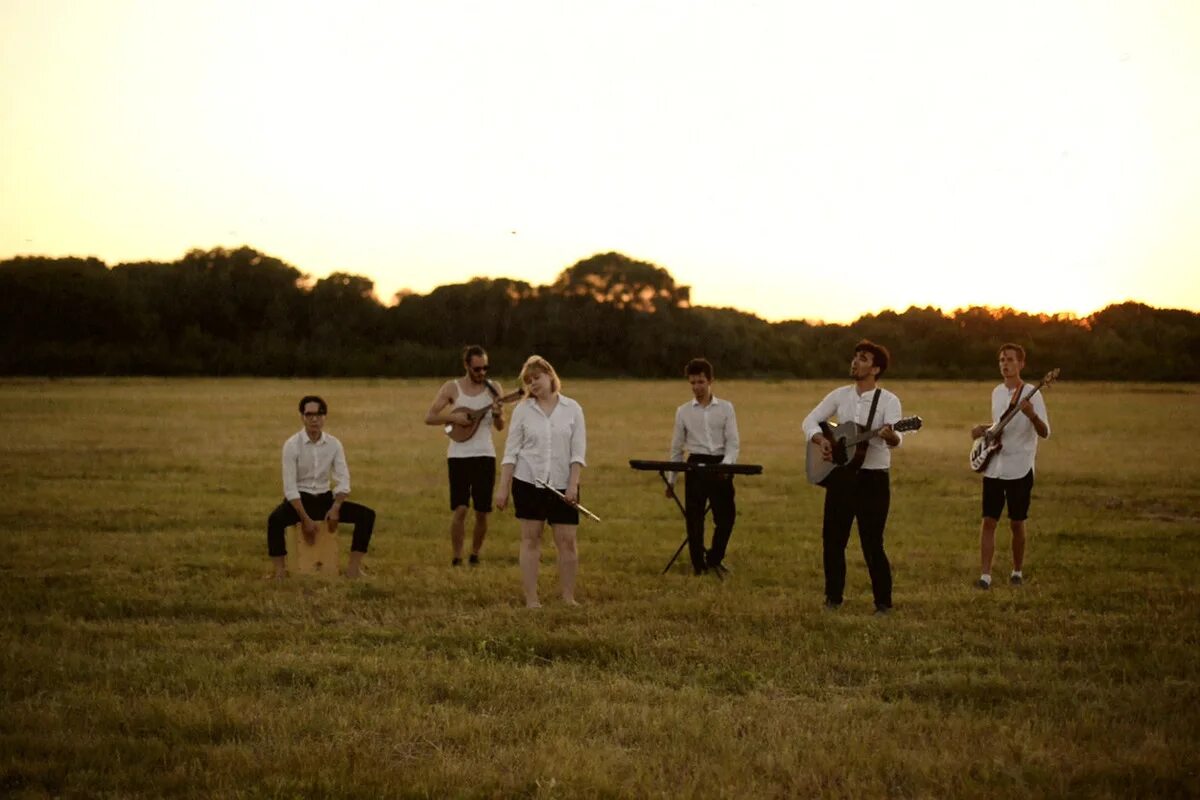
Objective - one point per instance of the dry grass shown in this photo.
(145, 655)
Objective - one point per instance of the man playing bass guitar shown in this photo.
(1008, 475)
(861, 493)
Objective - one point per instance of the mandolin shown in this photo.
(460, 433)
(986, 446)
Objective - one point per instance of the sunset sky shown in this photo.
(794, 159)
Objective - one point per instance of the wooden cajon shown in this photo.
(318, 558)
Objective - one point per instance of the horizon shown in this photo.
(789, 160)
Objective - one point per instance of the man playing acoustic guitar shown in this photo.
(471, 462)
(1008, 476)
(863, 492)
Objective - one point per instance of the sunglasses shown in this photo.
(479, 369)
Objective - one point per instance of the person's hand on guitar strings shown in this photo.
(826, 446)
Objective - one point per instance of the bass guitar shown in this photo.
(460, 433)
(849, 446)
(986, 446)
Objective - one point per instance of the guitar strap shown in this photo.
(871, 413)
(860, 449)
(492, 389)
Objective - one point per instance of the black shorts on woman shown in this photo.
(540, 504)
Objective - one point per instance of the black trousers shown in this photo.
(317, 506)
(864, 495)
(699, 491)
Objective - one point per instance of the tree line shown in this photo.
(241, 312)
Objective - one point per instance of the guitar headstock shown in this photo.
(1051, 376)
(908, 424)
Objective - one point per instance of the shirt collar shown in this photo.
(715, 401)
(305, 440)
(562, 401)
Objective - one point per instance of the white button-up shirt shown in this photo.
(308, 466)
(848, 405)
(709, 430)
(1019, 440)
(543, 447)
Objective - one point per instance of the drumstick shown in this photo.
(565, 500)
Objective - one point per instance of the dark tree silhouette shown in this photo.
(240, 312)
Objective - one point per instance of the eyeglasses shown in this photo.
(313, 414)
(479, 369)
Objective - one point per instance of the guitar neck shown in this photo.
(1012, 412)
(508, 398)
(863, 436)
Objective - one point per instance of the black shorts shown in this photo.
(472, 479)
(1017, 492)
(538, 503)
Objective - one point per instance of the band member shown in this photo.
(863, 494)
(1008, 476)
(707, 428)
(311, 459)
(547, 443)
(471, 464)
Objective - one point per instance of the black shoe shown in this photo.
(473, 559)
(456, 562)
(882, 611)
(1016, 580)
(982, 585)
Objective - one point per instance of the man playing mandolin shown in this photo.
(859, 490)
(472, 461)
(1008, 476)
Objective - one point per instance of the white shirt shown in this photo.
(542, 447)
(1019, 440)
(709, 430)
(480, 443)
(848, 405)
(307, 466)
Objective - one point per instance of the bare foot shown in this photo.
(532, 604)
(353, 572)
(571, 601)
(277, 575)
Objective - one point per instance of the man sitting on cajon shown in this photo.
(310, 459)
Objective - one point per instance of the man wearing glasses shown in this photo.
(471, 463)
(310, 459)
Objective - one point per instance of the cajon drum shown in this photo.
(318, 558)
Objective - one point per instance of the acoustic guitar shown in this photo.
(849, 446)
(986, 446)
(460, 433)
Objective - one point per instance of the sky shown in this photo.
(798, 160)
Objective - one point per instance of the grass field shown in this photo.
(145, 655)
